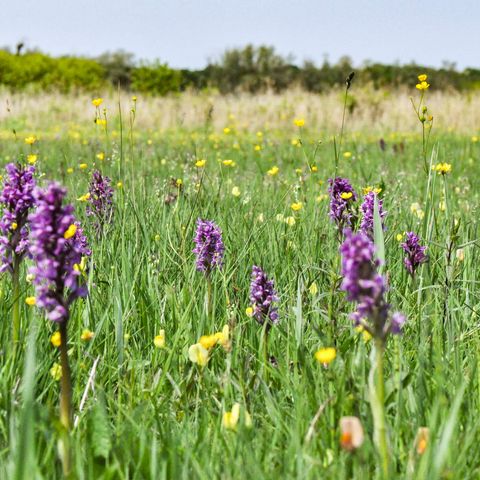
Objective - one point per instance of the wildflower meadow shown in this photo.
(250, 290)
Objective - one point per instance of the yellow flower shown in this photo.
(84, 198)
(296, 207)
(313, 289)
(236, 192)
(273, 171)
(229, 163)
(326, 355)
(442, 168)
(200, 163)
(346, 195)
(30, 140)
(56, 371)
(259, 134)
(82, 266)
(83, 166)
(100, 156)
(347, 154)
(290, 221)
(100, 121)
(159, 340)
(474, 139)
(399, 237)
(299, 122)
(70, 232)
(29, 278)
(257, 148)
(198, 354)
(32, 159)
(56, 339)
(369, 189)
(422, 86)
(96, 102)
(249, 311)
(86, 335)
(208, 341)
(417, 210)
(321, 197)
(14, 225)
(365, 333)
(31, 301)
(314, 168)
(296, 142)
(70, 170)
(223, 338)
(230, 419)
(120, 184)
(226, 130)
(134, 98)
(422, 77)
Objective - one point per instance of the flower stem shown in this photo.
(65, 401)
(16, 299)
(377, 402)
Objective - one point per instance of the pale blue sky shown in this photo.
(186, 33)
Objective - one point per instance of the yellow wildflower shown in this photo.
(365, 333)
(159, 340)
(208, 341)
(257, 148)
(227, 130)
(230, 419)
(422, 77)
(14, 225)
(422, 86)
(100, 156)
(56, 371)
(442, 168)
(326, 355)
(84, 198)
(120, 184)
(83, 166)
(30, 140)
(56, 339)
(86, 335)
(313, 289)
(229, 163)
(299, 122)
(198, 354)
(369, 189)
(347, 154)
(32, 159)
(421, 440)
(249, 311)
(290, 221)
(100, 121)
(346, 195)
(273, 171)
(236, 192)
(96, 102)
(200, 163)
(296, 206)
(399, 237)
(31, 301)
(70, 170)
(223, 338)
(70, 232)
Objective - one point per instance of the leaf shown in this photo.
(100, 431)
(378, 235)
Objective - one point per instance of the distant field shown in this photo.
(153, 413)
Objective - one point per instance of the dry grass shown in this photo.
(376, 112)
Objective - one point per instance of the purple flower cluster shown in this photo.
(100, 200)
(263, 296)
(17, 198)
(209, 247)
(342, 196)
(415, 253)
(57, 247)
(365, 286)
(366, 225)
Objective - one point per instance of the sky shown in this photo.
(189, 33)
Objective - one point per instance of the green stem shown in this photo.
(16, 299)
(65, 401)
(377, 400)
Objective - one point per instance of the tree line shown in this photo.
(250, 69)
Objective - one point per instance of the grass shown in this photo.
(154, 414)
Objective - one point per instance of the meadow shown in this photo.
(145, 403)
